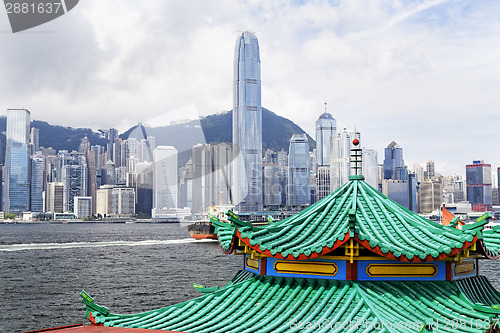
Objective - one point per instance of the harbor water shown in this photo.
(127, 267)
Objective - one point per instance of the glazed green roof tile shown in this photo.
(356, 211)
(252, 303)
(490, 244)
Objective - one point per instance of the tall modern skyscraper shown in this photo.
(37, 184)
(430, 170)
(74, 175)
(16, 199)
(299, 164)
(165, 176)
(247, 125)
(478, 178)
(394, 165)
(398, 184)
(340, 156)
(326, 127)
(370, 166)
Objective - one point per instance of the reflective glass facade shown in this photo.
(247, 125)
(478, 178)
(16, 199)
(17, 174)
(36, 197)
(326, 127)
(299, 179)
(165, 176)
(394, 165)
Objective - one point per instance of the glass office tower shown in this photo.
(299, 180)
(478, 178)
(247, 125)
(16, 199)
(326, 127)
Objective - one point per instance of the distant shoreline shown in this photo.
(95, 222)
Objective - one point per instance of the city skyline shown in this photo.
(410, 72)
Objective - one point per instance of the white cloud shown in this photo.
(422, 73)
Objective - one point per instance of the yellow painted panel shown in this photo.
(400, 270)
(311, 268)
(253, 263)
(465, 268)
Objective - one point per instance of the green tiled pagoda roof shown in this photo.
(356, 211)
(490, 244)
(277, 304)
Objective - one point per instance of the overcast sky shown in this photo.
(425, 74)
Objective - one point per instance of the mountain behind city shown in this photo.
(216, 128)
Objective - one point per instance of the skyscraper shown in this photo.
(340, 165)
(247, 125)
(326, 127)
(430, 170)
(211, 174)
(74, 175)
(54, 197)
(478, 178)
(394, 165)
(397, 184)
(165, 177)
(16, 199)
(299, 180)
(370, 167)
(37, 184)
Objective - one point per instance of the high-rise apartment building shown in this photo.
(299, 180)
(326, 128)
(16, 198)
(165, 177)
(478, 178)
(247, 125)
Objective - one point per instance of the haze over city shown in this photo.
(424, 74)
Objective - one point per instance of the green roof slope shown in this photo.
(356, 211)
(271, 304)
(490, 244)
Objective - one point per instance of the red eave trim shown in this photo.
(302, 256)
(403, 258)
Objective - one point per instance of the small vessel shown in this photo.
(205, 229)
(202, 230)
